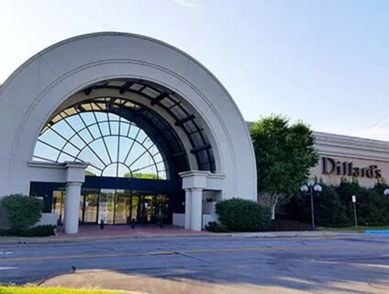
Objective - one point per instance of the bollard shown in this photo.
(133, 223)
(101, 224)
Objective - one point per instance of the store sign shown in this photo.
(331, 166)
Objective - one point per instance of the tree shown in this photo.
(89, 173)
(284, 155)
(139, 175)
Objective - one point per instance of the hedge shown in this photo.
(37, 231)
(240, 215)
(21, 212)
(333, 206)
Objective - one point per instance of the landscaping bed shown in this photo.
(281, 224)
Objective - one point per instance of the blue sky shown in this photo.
(324, 62)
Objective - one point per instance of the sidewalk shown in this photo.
(93, 232)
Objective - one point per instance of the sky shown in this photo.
(323, 62)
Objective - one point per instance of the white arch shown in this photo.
(33, 92)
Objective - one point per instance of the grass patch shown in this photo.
(53, 290)
(350, 229)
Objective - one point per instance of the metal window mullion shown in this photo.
(67, 141)
(174, 105)
(102, 136)
(129, 129)
(118, 149)
(47, 159)
(58, 149)
(109, 124)
(86, 126)
(146, 166)
(86, 144)
(132, 145)
(140, 156)
(144, 140)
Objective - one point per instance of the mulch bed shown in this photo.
(289, 225)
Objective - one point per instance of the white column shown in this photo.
(72, 207)
(196, 211)
(188, 208)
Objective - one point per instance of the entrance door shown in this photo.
(90, 206)
(59, 205)
(148, 208)
(140, 208)
(122, 207)
(115, 206)
(107, 206)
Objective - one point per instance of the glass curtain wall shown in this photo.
(114, 206)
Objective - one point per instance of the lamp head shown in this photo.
(310, 183)
(304, 188)
(317, 188)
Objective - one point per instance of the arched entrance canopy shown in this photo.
(152, 96)
(39, 88)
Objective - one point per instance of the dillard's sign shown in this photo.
(346, 168)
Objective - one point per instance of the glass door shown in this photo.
(134, 207)
(59, 205)
(122, 207)
(90, 206)
(161, 206)
(106, 206)
(148, 208)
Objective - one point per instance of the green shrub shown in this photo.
(345, 190)
(38, 231)
(242, 215)
(373, 208)
(216, 227)
(333, 207)
(372, 204)
(330, 211)
(22, 212)
(296, 209)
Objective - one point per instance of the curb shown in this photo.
(289, 234)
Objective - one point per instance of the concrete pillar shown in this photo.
(196, 211)
(72, 207)
(188, 208)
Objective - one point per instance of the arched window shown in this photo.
(112, 145)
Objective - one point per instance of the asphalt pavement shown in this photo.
(326, 264)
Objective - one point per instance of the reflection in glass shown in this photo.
(112, 145)
(58, 204)
(91, 202)
(122, 207)
(106, 206)
(114, 206)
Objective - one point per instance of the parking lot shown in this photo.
(342, 263)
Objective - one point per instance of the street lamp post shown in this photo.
(310, 187)
(354, 201)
